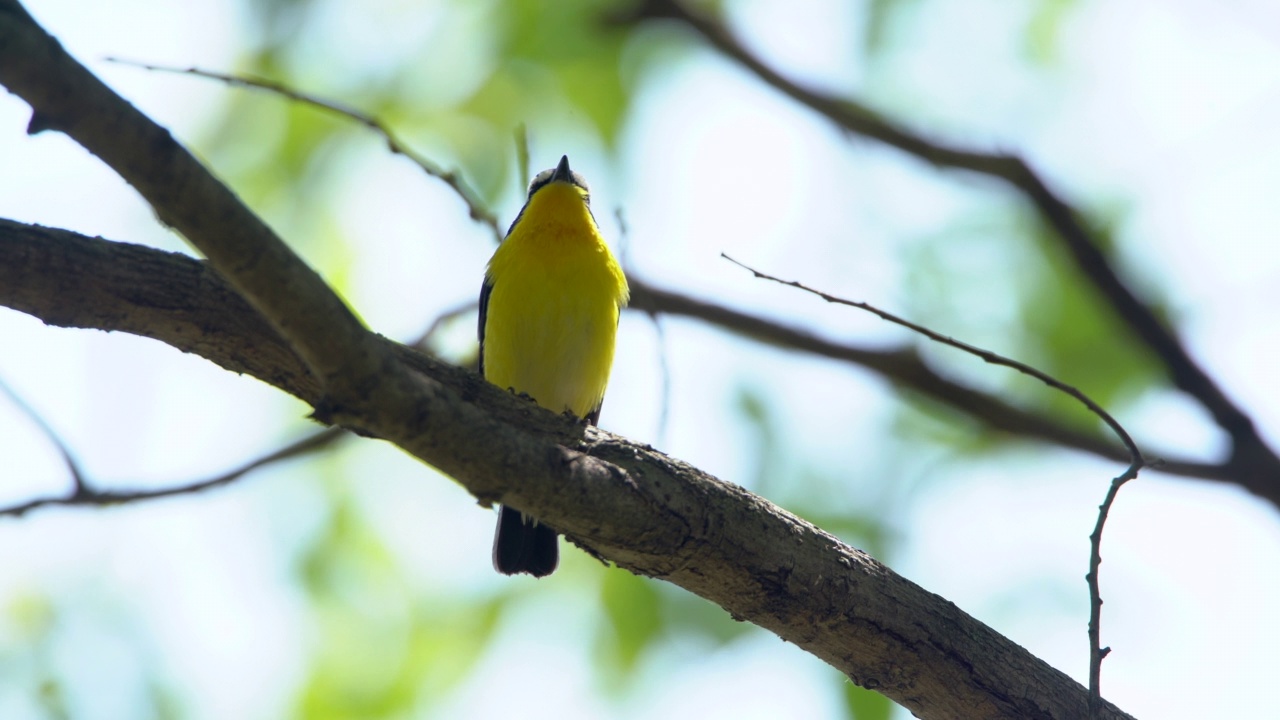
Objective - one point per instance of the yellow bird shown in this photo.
(548, 318)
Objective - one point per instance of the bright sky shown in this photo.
(1166, 110)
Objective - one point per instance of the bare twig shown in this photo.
(1096, 651)
(475, 206)
(85, 494)
(1137, 462)
(985, 355)
(905, 368)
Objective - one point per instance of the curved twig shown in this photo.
(85, 494)
(1137, 461)
(475, 206)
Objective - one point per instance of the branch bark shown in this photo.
(625, 502)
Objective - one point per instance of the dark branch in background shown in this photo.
(85, 494)
(477, 209)
(1253, 464)
(664, 368)
(905, 368)
(1137, 462)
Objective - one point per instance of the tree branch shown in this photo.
(452, 178)
(626, 502)
(905, 368)
(1253, 463)
(66, 97)
(143, 291)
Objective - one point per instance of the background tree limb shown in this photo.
(1253, 463)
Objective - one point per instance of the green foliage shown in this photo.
(1074, 335)
(633, 613)
(862, 704)
(1044, 29)
(880, 17)
(1004, 281)
(550, 51)
(381, 651)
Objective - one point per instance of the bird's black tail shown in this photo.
(524, 545)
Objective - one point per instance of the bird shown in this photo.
(549, 308)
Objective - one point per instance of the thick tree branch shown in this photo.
(625, 502)
(1254, 464)
(70, 280)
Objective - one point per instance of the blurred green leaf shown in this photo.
(863, 704)
(553, 49)
(52, 699)
(381, 651)
(692, 616)
(754, 408)
(1045, 28)
(1075, 336)
(880, 16)
(632, 608)
(166, 703)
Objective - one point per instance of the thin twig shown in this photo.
(1096, 651)
(84, 494)
(476, 207)
(1137, 462)
(985, 355)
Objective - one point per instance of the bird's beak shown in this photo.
(562, 173)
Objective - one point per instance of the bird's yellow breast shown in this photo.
(552, 312)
